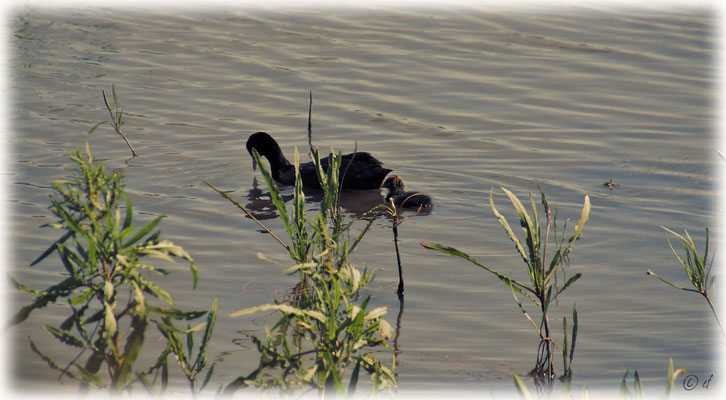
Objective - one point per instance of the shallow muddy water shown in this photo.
(456, 102)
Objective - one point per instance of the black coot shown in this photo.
(362, 170)
(402, 198)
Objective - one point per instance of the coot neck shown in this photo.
(278, 162)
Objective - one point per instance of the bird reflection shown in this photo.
(260, 203)
(356, 203)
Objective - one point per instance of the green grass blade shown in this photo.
(624, 391)
(142, 232)
(52, 248)
(285, 309)
(65, 336)
(671, 376)
(527, 223)
(569, 282)
(521, 307)
(637, 386)
(508, 229)
(584, 217)
(354, 379)
(202, 353)
(129, 212)
(207, 377)
(458, 253)
(521, 387)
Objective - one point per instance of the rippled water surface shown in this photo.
(455, 102)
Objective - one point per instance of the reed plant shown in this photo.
(326, 329)
(543, 288)
(696, 267)
(108, 290)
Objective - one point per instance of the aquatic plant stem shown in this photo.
(543, 290)
(396, 222)
(400, 291)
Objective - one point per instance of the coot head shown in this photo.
(394, 184)
(266, 146)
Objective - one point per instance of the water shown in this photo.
(456, 102)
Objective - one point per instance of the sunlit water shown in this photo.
(455, 102)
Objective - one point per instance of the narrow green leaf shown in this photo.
(176, 314)
(110, 327)
(637, 386)
(65, 336)
(649, 272)
(82, 298)
(671, 376)
(142, 232)
(284, 308)
(584, 217)
(521, 387)
(376, 313)
(624, 391)
(64, 288)
(458, 253)
(129, 212)
(524, 217)
(95, 127)
(507, 228)
(575, 326)
(52, 248)
(354, 379)
(569, 282)
(207, 377)
(68, 259)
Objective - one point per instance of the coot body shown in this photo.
(362, 170)
(402, 198)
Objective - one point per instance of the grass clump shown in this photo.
(108, 292)
(543, 288)
(696, 267)
(326, 329)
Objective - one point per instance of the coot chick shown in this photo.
(362, 170)
(402, 198)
